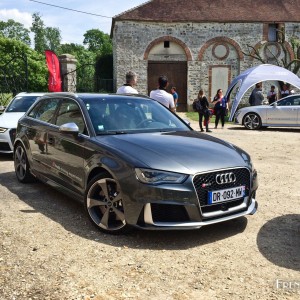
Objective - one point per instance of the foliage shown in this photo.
(14, 56)
(15, 30)
(98, 42)
(44, 37)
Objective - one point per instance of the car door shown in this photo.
(40, 120)
(66, 150)
(284, 112)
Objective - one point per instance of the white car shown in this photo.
(282, 113)
(10, 116)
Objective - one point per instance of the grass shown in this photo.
(195, 117)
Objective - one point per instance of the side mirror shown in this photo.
(69, 128)
(275, 104)
(2, 108)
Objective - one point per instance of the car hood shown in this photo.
(186, 152)
(254, 108)
(10, 119)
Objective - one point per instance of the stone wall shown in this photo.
(206, 45)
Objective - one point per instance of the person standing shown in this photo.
(175, 96)
(257, 96)
(272, 95)
(285, 91)
(203, 110)
(161, 95)
(220, 108)
(131, 81)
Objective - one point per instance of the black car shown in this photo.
(133, 162)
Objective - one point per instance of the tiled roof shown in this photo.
(214, 11)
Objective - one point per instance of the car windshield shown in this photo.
(117, 115)
(21, 103)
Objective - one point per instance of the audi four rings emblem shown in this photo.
(225, 178)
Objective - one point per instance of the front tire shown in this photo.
(21, 163)
(104, 205)
(252, 121)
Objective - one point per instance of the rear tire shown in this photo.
(252, 121)
(21, 163)
(103, 203)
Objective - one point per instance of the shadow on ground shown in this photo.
(271, 129)
(71, 215)
(279, 241)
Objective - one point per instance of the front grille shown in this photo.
(168, 213)
(4, 146)
(12, 134)
(206, 182)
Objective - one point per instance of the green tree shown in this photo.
(14, 30)
(98, 42)
(38, 28)
(15, 55)
(85, 68)
(44, 37)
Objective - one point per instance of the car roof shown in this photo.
(30, 94)
(93, 95)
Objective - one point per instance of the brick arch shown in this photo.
(286, 45)
(170, 39)
(220, 40)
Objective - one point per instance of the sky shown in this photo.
(72, 25)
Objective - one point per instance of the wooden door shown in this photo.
(177, 75)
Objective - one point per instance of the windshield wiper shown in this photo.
(111, 132)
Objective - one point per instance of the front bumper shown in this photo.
(187, 207)
(7, 140)
(151, 224)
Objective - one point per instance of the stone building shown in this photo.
(200, 43)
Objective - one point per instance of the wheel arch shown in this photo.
(95, 171)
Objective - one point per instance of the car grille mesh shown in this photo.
(206, 182)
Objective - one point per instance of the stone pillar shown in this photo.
(68, 72)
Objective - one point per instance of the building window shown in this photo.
(275, 32)
(166, 44)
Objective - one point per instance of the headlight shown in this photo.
(2, 129)
(157, 177)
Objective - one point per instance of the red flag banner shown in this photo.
(54, 81)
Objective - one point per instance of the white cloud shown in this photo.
(18, 16)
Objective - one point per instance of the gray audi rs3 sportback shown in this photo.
(133, 162)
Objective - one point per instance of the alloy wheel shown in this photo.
(104, 205)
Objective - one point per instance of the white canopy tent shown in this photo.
(260, 73)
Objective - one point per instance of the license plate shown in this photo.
(226, 195)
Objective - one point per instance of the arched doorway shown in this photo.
(168, 56)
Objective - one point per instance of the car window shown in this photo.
(290, 101)
(44, 110)
(69, 112)
(21, 103)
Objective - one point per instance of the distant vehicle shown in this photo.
(10, 116)
(282, 113)
(133, 162)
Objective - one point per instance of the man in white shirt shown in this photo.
(127, 88)
(161, 95)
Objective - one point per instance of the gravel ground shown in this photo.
(49, 249)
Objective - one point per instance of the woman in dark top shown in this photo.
(220, 108)
(202, 109)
